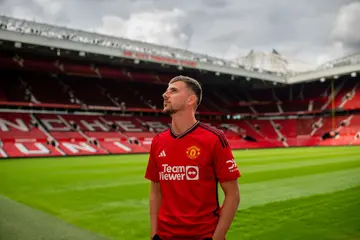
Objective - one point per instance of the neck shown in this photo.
(181, 122)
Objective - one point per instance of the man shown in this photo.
(186, 163)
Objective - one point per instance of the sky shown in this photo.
(310, 31)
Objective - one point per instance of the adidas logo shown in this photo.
(162, 154)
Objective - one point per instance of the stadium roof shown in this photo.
(269, 67)
(344, 61)
(273, 62)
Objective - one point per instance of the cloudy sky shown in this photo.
(312, 31)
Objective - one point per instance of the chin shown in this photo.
(169, 111)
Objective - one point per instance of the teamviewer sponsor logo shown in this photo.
(192, 173)
(173, 173)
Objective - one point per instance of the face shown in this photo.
(177, 97)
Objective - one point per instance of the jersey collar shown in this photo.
(192, 128)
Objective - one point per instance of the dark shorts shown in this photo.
(156, 237)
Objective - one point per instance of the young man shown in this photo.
(186, 163)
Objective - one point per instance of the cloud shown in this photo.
(24, 13)
(160, 27)
(346, 30)
(343, 38)
(49, 11)
(307, 30)
(50, 7)
(215, 3)
(299, 30)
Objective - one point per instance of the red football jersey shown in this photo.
(189, 168)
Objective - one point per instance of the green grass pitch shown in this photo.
(298, 193)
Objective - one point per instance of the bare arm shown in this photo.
(155, 202)
(229, 208)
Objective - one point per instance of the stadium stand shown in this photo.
(51, 134)
(58, 102)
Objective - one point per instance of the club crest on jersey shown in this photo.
(193, 152)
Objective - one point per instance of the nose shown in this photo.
(165, 95)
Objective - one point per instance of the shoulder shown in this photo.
(161, 135)
(214, 134)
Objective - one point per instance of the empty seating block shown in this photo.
(30, 149)
(81, 148)
(24, 135)
(18, 126)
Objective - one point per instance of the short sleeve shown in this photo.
(225, 166)
(152, 172)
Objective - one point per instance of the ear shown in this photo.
(192, 100)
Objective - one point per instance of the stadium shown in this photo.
(79, 110)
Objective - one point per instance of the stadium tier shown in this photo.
(24, 134)
(23, 81)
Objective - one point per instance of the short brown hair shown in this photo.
(191, 83)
